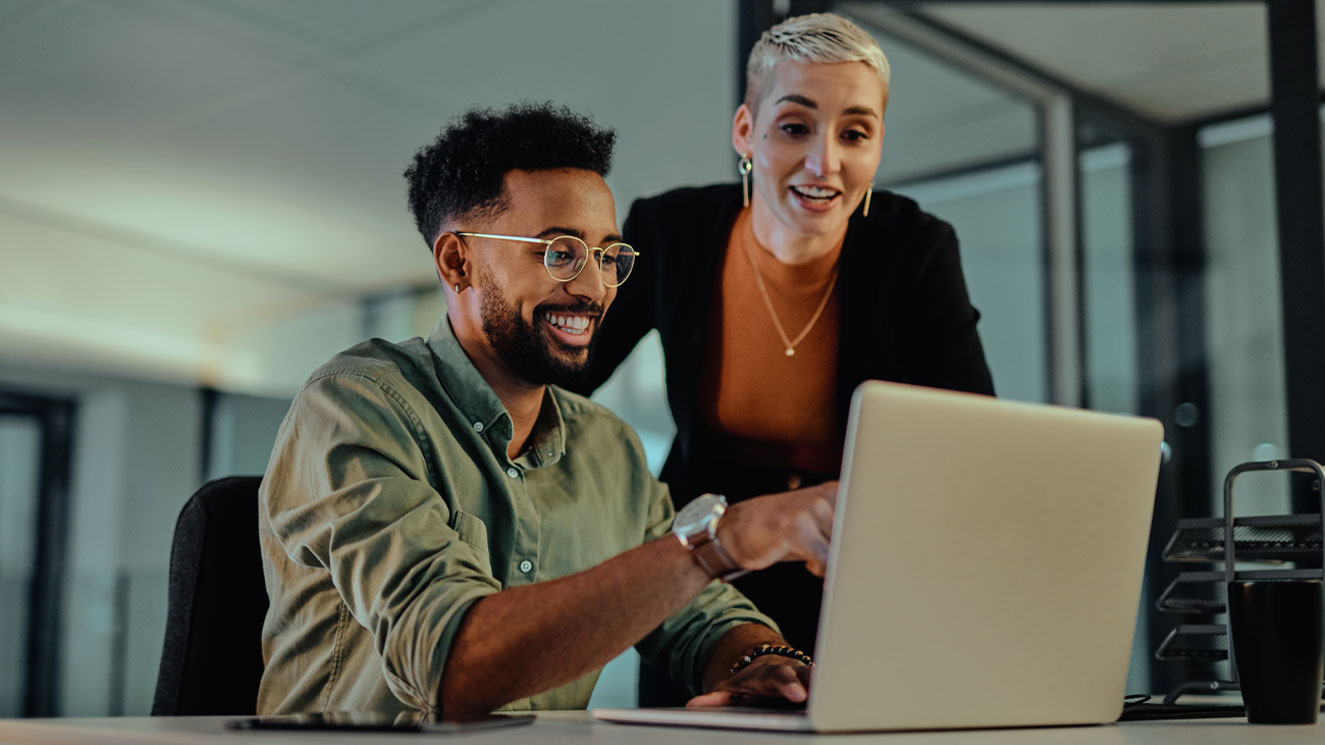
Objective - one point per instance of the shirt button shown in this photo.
(478, 426)
(794, 481)
(513, 473)
(526, 566)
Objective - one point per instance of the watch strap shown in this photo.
(714, 559)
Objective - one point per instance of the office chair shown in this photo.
(212, 658)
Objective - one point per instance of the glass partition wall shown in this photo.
(20, 456)
(34, 466)
(1243, 304)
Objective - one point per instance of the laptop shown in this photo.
(985, 569)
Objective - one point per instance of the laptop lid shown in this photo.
(986, 563)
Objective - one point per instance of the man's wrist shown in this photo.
(733, 645)
(766, 649)
(714, 559)
(696, 527)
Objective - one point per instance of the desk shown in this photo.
(576, 728)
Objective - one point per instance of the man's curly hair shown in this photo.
(460, 174)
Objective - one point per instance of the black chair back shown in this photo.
(212, 659)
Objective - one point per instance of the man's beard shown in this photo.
(523, 348)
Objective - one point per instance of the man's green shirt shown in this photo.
(390, 506)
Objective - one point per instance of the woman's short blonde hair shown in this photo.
(824, 38)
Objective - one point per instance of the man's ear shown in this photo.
(451, 257)
(742, 130)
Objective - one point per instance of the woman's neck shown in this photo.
(790, 247)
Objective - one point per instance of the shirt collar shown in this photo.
(548, 442)
(481, 407)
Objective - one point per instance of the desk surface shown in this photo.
(553, 728)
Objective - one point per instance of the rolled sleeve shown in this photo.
(684, 642)
(349, 490)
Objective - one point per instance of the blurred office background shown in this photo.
(201, 201)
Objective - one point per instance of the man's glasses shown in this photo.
(565, 257)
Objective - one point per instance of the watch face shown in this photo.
(696, 515)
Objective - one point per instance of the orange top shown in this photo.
(766, 407)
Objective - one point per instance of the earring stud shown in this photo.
(457, 287)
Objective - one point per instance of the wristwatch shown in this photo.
(696, 527)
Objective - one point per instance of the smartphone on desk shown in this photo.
(359, 721)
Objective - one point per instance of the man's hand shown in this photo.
(770, 678)
(791, 526)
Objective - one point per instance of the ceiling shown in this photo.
(1168, 61)
(178, 177)
(177, 173)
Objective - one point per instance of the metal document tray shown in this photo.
(1238, 544)
(1269, 538)
(1205, 593)
(1195, 642)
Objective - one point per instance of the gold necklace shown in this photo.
(768, 303)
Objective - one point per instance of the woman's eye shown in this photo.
(855, 135)
(795, 130)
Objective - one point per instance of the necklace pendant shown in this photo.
(790, 352)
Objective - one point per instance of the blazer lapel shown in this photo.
(865, 341)
(692, 306)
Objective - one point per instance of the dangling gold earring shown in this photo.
(744, 167)
(868, 193)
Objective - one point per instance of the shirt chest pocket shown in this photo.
(475, 534)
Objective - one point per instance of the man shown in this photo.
(446, 530)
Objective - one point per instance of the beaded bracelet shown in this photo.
(781, 650)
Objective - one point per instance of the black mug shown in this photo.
(1277, 647)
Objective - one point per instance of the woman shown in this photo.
(774, 299)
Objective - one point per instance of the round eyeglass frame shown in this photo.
(588, 253)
